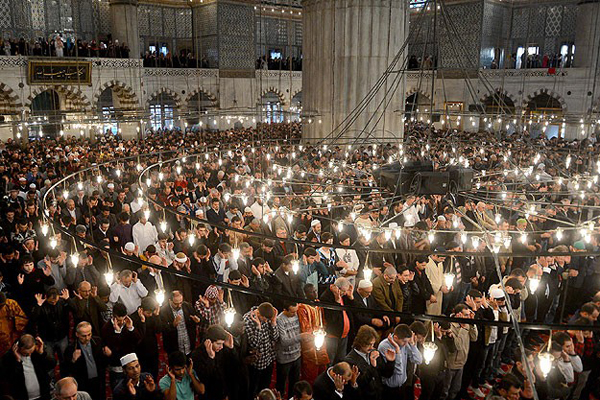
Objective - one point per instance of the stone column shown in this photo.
(347, 45)
(124, 25)
(587, 34)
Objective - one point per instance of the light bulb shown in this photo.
(178, 169)
(229, 316)
(367, 272)
(75, 259)
(398, 233)
(498, 218)
(118, 172)
(295, 266)
(147, 214)
(534, 283)
(448, 279)
(139, 167)
(80, 185)
(99, 179)
(524, 238)
(431, 237)
(388, 234)
(429, 349)
(463, 238)
(559, 234)
(161, 176)
(546, 360)
(319, 335)
(163, 226)
(109, 277)
(148, 182)
(159, 295)
(191, 239)
(44, 229)
(65, 194)
(235, 253)
(53, 243)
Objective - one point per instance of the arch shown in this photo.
(414, 90)
(296, 99)
(203, 93)
(415, 100)
(498, 102)
(164, 106)
(550, 93)
(9, 101)
(46, 108)
(72, 96)
(128, 100)
(164, 92)
(273, 90)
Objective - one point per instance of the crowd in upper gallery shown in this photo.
(76, 322)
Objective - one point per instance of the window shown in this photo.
(417, 3)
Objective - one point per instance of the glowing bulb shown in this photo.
(65, 194)
(319, 335)
(159, 295)
(559, 234)
(44, 229)
(340, 226)
(80, 185)
(498, 218)
(191, 239)
(229, 316)
(163, 226)
(463, 237)
(235, 253)
(475, 241)
(546, 360)
(161, 176)
(429, 349)
(367, 273)
(118, 172)
(147, 214)
(534, 283)
(75, 259)
(138, 167)
(53, 243)
(109, 277)
(431, 236)
(448, 279)
(388, 234)
(295, 266)
(524, 238)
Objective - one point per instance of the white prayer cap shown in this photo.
(496, 293)
(180, 257)
(129, 246)
(314, 222)
(365, 284)
(393, 225)
(111, 186)
(127, 358)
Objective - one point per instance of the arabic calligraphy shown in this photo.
(43, 72)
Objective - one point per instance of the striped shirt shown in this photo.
(288, 346)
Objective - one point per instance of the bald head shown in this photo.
(85, 289)
(66, 388)
(343, 369)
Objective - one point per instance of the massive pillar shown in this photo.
(347, 46)
(124, 24)
(587, 34)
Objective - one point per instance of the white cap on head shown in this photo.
(393, 225)
(496, 293)
(181, 257)
(129, 246)
(127, 358)
(111, 186)
(314, 222)
(364, 284)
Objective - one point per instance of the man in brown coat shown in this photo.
(387, 291)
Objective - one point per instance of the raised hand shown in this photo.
(94, 291)
(390, 355)
(209, 349)
(107, 352)
(149, 383)
(40, 298)
(195, 318)
(76, 355)
(47, 270)
(338, 381)
(386, 320)
(190, 368)
(134, 277)
(131, 387)
(128, 322)
(20, 278)
(245, 281)
(39, 345)
(355, 374)
(64, 294)
(254, 317)
(15, 350)
(76, 293)
(393, 343)
(141, 315)
(373, 356)
(177, 321)
(171, 374)
(204, 301)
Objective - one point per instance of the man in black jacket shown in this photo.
(337, 322)
(363, 299)
(27, 357)
(337, 382)
(50, 319)
(208, 362)
(423, 285)
(179, 316)
(285, 281)
(86, 360)
(148, 322)
(369, 382)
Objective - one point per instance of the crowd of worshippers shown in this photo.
(68, 331)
